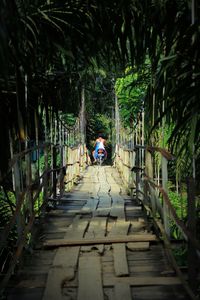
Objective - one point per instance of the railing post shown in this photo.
(149, 173)
(62, 167)
(45, 180)
(137, 162)
(17, 185)
(54, 172)
(192, 255)
(29, 197)
(164, 185)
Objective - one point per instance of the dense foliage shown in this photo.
(50, 50)
(47, 49)
(131, 90)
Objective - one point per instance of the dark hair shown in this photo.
(100, 135)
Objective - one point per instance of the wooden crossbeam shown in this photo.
(141, 281)
(105, 240)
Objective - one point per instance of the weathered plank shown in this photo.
(141, 280)
(122, 291)
(104, 240)
(104, 201)
(104, 206)
(66, 257)
(63, 269)
(77, 228)
(138, 225)
(104, 188)
(133, 208)
(138, 246)
(120, 260)
(117, 209)
(97, 228)
(55, 280)
(120, 227)
(64, 263)
(89, 278)
(89, 207)
(102, 212)
(115, 188)
(109, 281)
(110, 180)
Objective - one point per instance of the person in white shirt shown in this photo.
(99, 144)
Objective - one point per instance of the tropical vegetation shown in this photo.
(146, 52)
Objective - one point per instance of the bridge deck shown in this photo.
(96, 244)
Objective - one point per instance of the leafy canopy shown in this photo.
(130, 90)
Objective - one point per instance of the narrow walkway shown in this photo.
(96, 245)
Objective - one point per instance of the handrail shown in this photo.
(52, 179)
(142, 183)
(186, 233)
(165, 153)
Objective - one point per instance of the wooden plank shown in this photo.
(69, 200)
(122, 291)
(133, 208)
(55, 280)
(104, 201)
(115, 188)
(104, 188)
(138, 246)
(120, 227)
(102, 212)
(89, 277)
(104, 240)
(110, 179)
(138, 225)
(76, 229)
(112, 281)
(63, 269)
(120, 260)
(66, 257)
(65, 262)
(104, 206)
(97, 228)
(75, 196)
(142, 281)
(109, 281)
(89, 207)
(117, 209)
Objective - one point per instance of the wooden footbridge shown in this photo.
(97, 243)
(90, 232)
(77, 231)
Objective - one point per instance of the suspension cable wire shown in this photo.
(117, 121)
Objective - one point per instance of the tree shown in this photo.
(52, 43)
(130, 91)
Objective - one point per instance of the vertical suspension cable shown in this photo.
(193, 17)
(117, 121)
(82, 117)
